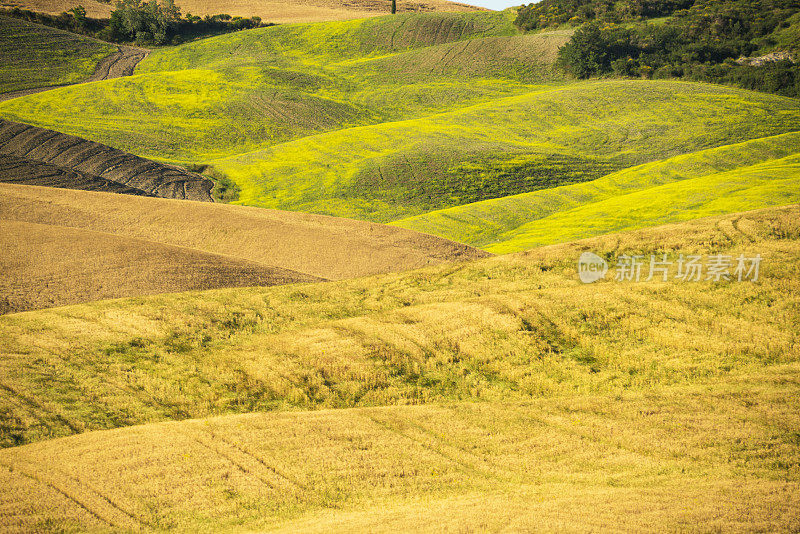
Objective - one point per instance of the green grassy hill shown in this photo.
(542, 396)
(34, 56)
(397, 118)
(630, 198)
(240, 92)
(538, 140)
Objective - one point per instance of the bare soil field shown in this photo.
(268, 10)
(68, 156)
(67, 246)
(16, 170)
(45, 266)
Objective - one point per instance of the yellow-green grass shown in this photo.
(239, 92)
(493, 223)
(684, 458)
(537, 140)
(510, 328)
(33, 56)
(331, 42)
(773, 183)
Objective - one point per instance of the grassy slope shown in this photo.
(34, 56)
(367, 173)
(508, 328)
(493, 224)
(598, 463)
(577, 388)
(773, 183)
(393, 117)
(236, 93)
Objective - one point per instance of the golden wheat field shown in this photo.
(446, 270)
(544, 397)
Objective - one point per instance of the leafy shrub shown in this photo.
(701, 43)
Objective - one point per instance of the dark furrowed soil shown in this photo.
(16, 170)
(72, 161)
(121, 63)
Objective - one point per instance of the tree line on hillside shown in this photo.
(153, 22)
(701, 40)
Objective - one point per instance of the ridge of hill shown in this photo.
(491, 224)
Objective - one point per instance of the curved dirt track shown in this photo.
(73, 162)
(121, 63)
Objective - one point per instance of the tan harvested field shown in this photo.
(123, 245)
(63, 156)
(276, 11)
(535, 466)
(549, 404)
(45, 266)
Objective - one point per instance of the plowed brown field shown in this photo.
(65, 246)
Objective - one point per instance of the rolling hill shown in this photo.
(175, 364)
(309, 118)
(51, 57)
(269, 10)
(579, 398)
(46, 265)
(621, 200)
(239, 92)
(576, 133)
(84, 245)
